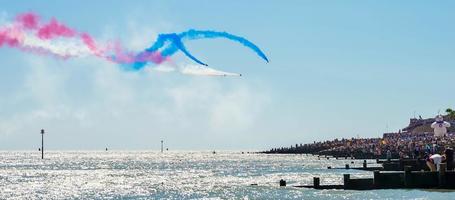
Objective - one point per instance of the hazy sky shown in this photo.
(338, 69)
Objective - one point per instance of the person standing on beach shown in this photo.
(389, 155)
(434, 160)
(440, 126)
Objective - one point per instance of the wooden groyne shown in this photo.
(399, 164)
(390, 165)
(364, 167)
(441, 179)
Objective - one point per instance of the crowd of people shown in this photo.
(392, 145)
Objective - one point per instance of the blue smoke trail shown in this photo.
(169, 44)
(195, 34)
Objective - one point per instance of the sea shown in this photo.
(181, 175)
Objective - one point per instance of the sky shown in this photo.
(338, 69)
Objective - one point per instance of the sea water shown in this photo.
(181, 175)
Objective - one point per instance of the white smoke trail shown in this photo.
(65, 47)
(204, 71)
(163, 68)
(189, 69)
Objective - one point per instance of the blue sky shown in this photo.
(337, 69)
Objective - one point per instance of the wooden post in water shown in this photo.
(316, 182)
(346, 178)
(42, 143)
(376, 178)
(282, 183)
(407, 176)
(161, 146)
(442, 174)
(347, 166)
(364, 164)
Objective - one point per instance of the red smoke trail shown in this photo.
(54, 29)
(28, 20)
(28, 33)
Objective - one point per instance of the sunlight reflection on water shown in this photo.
(179, 175)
